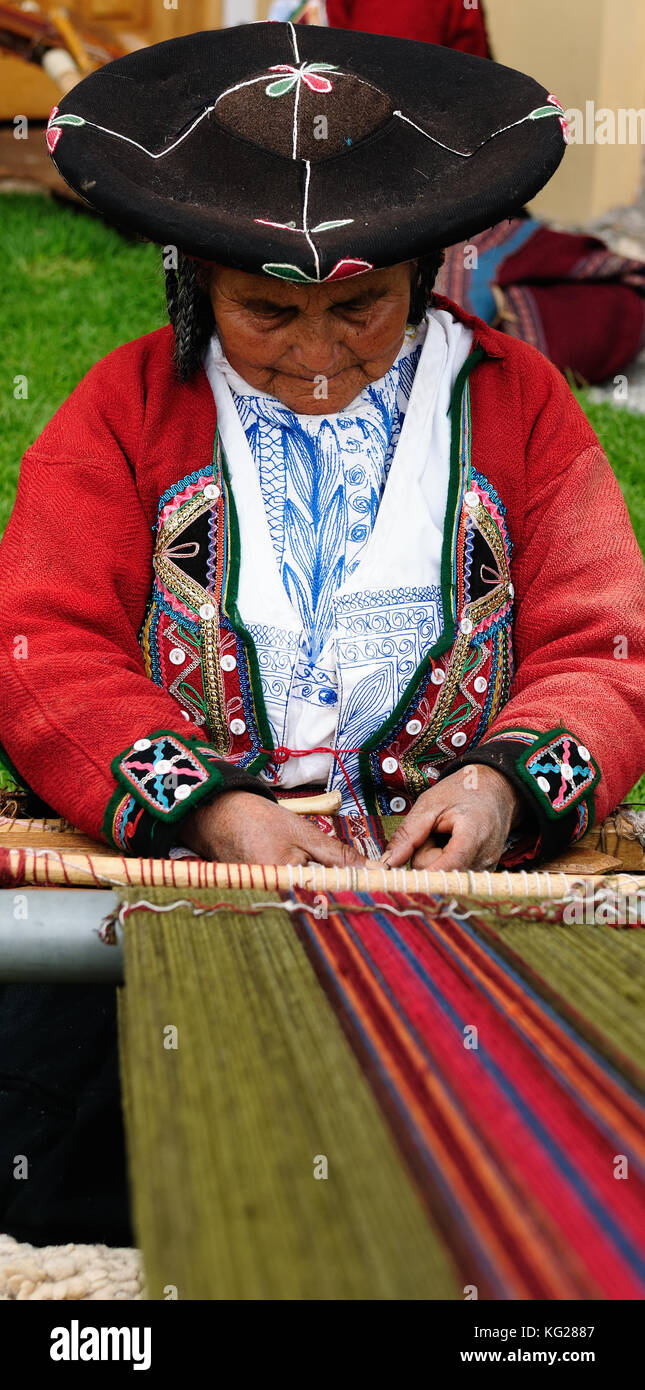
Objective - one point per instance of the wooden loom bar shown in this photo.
(39, 866)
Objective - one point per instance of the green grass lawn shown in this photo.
(73, 289)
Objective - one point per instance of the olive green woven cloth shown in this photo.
(227, 1130)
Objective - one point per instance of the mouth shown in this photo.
(325, 376)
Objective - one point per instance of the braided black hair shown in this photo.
(191, 313)
(428, 268)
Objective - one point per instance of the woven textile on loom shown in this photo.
(382, 1096)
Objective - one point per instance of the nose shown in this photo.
(315, 349)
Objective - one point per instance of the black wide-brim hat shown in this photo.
(307, 153)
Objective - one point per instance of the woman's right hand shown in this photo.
(243, 828)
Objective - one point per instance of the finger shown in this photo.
(426, 857)
(461, 852)
(328, 850)
(410, 835)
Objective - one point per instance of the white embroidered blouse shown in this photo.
(341, 519)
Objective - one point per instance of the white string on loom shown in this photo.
(288, 905)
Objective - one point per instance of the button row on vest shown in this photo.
(211, 492)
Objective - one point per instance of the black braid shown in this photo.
(428, 268)
(190, 313)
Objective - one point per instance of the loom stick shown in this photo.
(53, 866)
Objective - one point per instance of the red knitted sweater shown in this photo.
(77, 575)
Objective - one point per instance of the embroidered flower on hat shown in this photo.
(306, 73)
(350, 265)
(54, 131)
(563, 120)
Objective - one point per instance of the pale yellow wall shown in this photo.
(582, 50)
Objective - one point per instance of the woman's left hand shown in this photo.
(476, 807)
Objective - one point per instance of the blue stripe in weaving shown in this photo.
(443, 1185)
(573, 1176)
(602, 1062)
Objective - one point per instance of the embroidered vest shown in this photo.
(195, 643)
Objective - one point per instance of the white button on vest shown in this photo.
(465, 625)
(211, 492)
(237, 726)
(397, 804)
(582, 753)
(413, 726)
(471, 499)
(389, 765)
(184, 714)
(162, 765)
(141, 745)
(511, 591)
(458, 739)
(438, 675)
(542, 782)
(480, 684)
(228, 663)
(182, 792)
(567, 771)
(207, 611)
(177, 656)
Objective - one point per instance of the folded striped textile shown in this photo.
(382, 1095)
(569, 295)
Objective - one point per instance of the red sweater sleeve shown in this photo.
(572, 734)
(77, 567)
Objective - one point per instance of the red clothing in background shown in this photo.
(446, 22)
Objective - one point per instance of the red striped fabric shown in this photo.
(516, 1133)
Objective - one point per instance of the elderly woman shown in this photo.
(325, 530)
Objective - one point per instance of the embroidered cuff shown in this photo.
(161, 779)
(555, 774)
(558, 770)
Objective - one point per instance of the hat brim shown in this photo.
(441, 146)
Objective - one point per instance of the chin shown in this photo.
(304, 402)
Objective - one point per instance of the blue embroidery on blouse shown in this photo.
(322, 479)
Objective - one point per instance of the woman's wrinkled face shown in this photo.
(315, 347)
